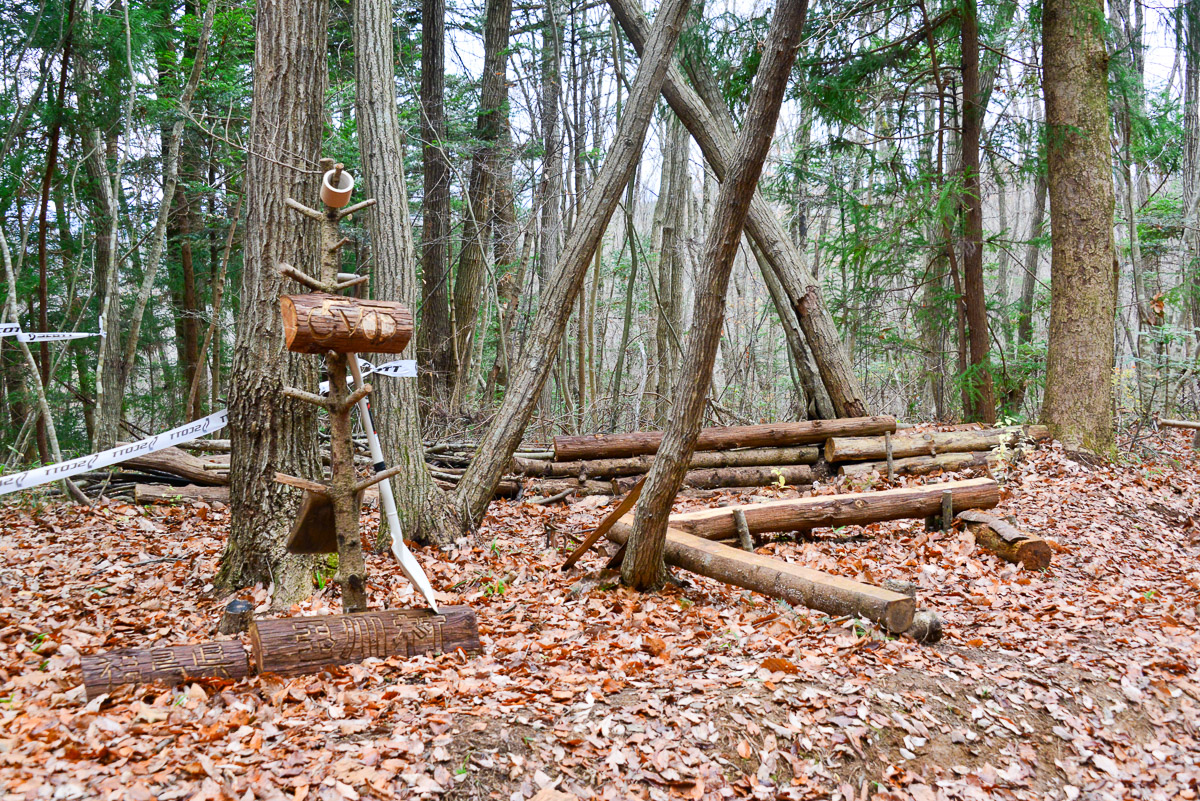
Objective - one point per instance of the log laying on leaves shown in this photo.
(179, 462)
(1180, 424)
(639, 465)
(928, 443)
(858, 508)
(617, 446)
(722, 477)
(923, 465)
(319, 323)
(553, 486)
(507, 488)
(775, 578)
(163, 493)
(1006, 540)
(293, 645)
(172, 664)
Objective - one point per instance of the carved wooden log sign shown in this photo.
(292, 645)
(172, 664)
(318, 323)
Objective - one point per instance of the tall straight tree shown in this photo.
(1080, 358)
(492, 457)
(472, 259)
(643, 566)
(435, 345)
(425, 512)
(267, 432)
(978, 394)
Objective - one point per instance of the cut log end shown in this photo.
(926, 627)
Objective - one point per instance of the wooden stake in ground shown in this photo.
(642, 567)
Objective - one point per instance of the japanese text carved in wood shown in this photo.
(317, 322)
(173, 664)
(302, 644)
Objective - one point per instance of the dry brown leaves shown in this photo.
(1079, 682)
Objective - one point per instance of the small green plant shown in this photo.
(1148, 594)
(324, 574)
(496, 587)
(495, 548)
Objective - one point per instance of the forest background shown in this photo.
(123, 172)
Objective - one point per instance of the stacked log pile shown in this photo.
(920, 453)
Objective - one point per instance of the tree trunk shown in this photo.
(1029, 282)
(525, 385)
(980, 394)
(468, 281)
(1079, 363)
(643, 565)
(425, 511)
(1191, 157)
(435, 338)
(713, 131)
(267, 433)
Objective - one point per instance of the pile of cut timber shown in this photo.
(730, 456)
(918, 453)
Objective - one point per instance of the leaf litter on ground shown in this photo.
(1075, 682)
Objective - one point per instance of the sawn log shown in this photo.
(612, 446)
(638, 465)
(855, 449)
(1006, 540)
(293, 645)
(833, 595)
(172, 664)
(858, 508)
(762, 476)
(319, 323)
(922, 465)
(162, 493)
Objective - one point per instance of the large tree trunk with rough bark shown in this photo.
(425, 511)
(267, 432)
(712, 128)
(435, 342)
(643, 566)
(502, 437)
(1079, 364)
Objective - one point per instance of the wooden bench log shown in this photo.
(833, 595)
(163, 493)
(292, 645)
(639, 465)
(171, 664)
(762, 476)
(859, 508)
(856, 449)
(616, 446)
(1006, 540)
(319, 323)
(923, 465)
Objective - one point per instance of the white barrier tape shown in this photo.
(72, 467)
(14, 330)
(401, 368)
(52, 336)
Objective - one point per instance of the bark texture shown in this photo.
(643, 566)
(1079, 363)
(267, 433)
(425, 511)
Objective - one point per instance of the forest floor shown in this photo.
(1080, 681)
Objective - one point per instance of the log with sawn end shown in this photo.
(636, 443)
(833, 595)
(638, 465)
(761, 476)
(319, 323)
(858, 508)
(923, 465)
(1006, 540)
(928, 443)
(292, 645)
(180, 463)
(164, 493)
